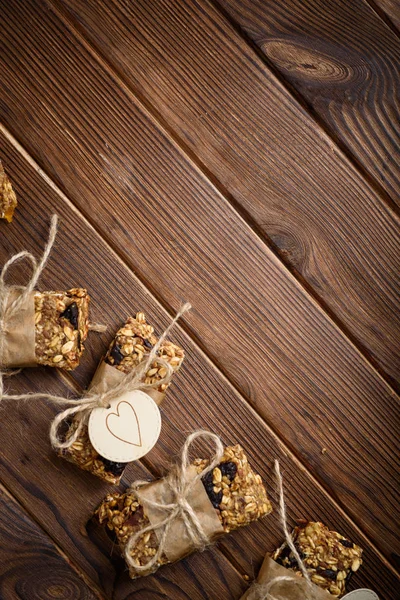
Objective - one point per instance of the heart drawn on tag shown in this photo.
(124, 424)
(127, 429)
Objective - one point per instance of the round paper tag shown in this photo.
(128, 429)
(361, 594)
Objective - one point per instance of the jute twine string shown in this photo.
(9, 311)
(91, 399)
(180, 484)
(131, 382)
(262, 591)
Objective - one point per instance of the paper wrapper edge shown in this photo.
(178, 543)
(106, 376)
(18, 348)
(285, 590)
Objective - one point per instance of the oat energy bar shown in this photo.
(330, 558)
(8, 199)
(131, 345)
(61, 327)
(235, 493)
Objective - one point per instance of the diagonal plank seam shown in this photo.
(347, 152)
(168, 309)
(72, 384)
(150, 111)
(383, 16)
(32, 516)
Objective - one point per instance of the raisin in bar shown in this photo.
(61, 327)
(8, 199)
(132, 344)
(330, 558)
(234, 490)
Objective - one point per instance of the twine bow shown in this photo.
(130, 382)
(9, 310)
(180, 483)
(91, 399)
(262, 591)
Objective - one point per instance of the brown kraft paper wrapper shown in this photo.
(298, 590)
(234, 490)
(107, 376)
(178, 543)
(18, 345)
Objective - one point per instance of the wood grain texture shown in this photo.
(60, 499)
(391, 8)
(343, 60)
(270, 157)
(206, 575)
(201, 397)
(31, 567)
(295, 367)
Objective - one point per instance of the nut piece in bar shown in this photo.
(330, 558)
(61, 327)
(131, 345)
(234, 490)
(8, 199)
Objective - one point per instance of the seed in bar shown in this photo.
(61, 327)
(235, 491)
(330, 558)
(8, 199)
(131, 345)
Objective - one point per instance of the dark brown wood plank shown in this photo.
(270, 157)
(31, 566)
(391, 8)
(202, 397)
(293, 364)
(60, 499)
(202, 576)
(343, 60)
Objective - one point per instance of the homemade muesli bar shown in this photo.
(61, 327)
(131, 345)
(330, 558)
(234, 490)
(8, 199)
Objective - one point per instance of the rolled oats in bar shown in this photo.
(8, 199)
(330, 558)
(235, 494)
(61, 327)
(131, 345)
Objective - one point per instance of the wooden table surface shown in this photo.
(242, 155)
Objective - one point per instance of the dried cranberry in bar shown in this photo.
(131, 345)
(236, 494)
(330, 558)
(61, 327)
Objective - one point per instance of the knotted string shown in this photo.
(92, 399)
(9, 310)
(262, 591)
(129, 383)
(180, 483)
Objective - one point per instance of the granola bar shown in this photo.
(61, 327)
(330, 558)
(234, 490)
(131, 345)
(8, 199)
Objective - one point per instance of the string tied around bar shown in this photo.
(91, 398)
(94, 398)
(10, 309)
(263, 591)
(180, 482)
